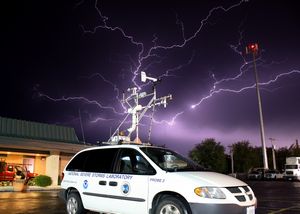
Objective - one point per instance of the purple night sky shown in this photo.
(64, 57)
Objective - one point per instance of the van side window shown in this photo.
(98, 160)
(77, 163)
(131, 161)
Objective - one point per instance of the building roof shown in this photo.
(39, 131)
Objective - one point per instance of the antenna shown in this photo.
(81, 126)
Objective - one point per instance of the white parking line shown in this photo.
(284, 209)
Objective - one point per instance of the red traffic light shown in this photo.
(252, 48)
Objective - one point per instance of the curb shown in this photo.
(30, 188)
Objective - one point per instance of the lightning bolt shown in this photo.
(97, 119)
(202, 24)
(170, 122)
(213, 92)
(145, 55)
(115, 88)
(151, 54)
(82, 99)
(168, 72)
(246, 65)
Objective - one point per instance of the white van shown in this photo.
(139, 179)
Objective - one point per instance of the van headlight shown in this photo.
(210, 192)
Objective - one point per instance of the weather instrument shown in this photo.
(144, 77)
(137, 111)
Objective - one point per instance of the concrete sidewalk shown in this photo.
(28, 188)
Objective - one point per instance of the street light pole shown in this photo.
(253, 48)
(231, 158)
(273, 152)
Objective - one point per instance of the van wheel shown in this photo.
(171, 205)
(74, 204)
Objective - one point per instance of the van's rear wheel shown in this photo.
(74, 204)
(171, 205)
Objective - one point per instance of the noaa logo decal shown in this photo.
(125, 188)
(85, 184)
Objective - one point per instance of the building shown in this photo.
(43, 148)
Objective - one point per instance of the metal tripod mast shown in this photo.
(136, 110)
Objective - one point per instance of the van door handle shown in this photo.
(113, 183)
(102, 183)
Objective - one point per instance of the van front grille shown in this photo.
(234, 189)
(241, 198)
(241, 193)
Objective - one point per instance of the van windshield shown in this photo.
(170, 161)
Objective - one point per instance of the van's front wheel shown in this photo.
(171, 205)
(74, 204)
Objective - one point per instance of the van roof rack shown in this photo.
(126, 143)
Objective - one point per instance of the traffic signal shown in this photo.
(252, 48)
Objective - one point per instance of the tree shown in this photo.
(210, 154)
(295, 149)
(245, 156)
(281, 155)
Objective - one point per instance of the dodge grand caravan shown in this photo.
(138, 179)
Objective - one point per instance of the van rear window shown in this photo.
(98, 160)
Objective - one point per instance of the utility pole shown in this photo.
(253, 48)
(81, 126)
(231, 157)
(273, 152)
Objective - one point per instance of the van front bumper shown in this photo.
(219, 208)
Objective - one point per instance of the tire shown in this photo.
(74, 204)
(171, 205)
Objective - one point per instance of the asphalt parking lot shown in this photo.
(277, 196)
(273, 197)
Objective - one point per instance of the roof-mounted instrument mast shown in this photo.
(136, 110)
